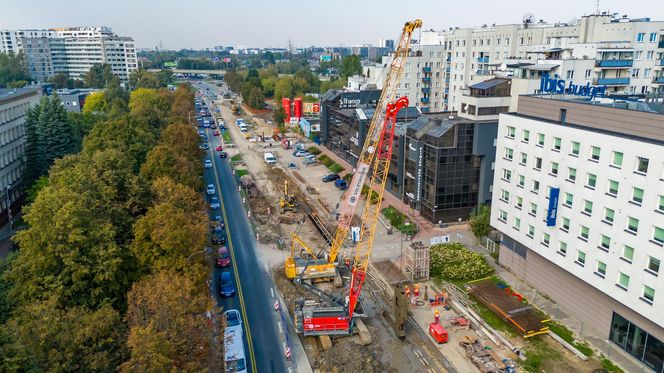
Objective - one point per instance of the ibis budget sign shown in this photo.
(552, 212)
(557, 87)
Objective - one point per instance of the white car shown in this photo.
(208, 163)
(210, 189)
(214, 203)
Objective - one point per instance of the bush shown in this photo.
(452, 261)
(374, 194)
(241, 173)
(400, 221)
(313, 150)
(336, 167)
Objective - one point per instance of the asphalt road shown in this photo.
(262, 343)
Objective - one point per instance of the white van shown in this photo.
(269, 158)
(243, 128)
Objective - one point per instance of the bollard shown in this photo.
(239, 188)
(248, 214)
(244, 200)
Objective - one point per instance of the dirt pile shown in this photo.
(347, 356)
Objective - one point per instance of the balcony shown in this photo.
(615, 63)
(661, 44)
(483, 72)
(661, 62)
(483, 59)
(426, 79)
(613, 81)
(426, 69)
(425, 100)
(426, 90)
(447, 69)
(659, 80)
(447, 90)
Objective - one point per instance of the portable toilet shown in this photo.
(438, 332)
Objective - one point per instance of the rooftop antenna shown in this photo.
(597, 7)
(528, 19)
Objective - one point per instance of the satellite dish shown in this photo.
(528, 19)
(503, 66)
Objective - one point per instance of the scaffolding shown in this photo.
(417, 261)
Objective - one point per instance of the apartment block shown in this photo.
(579, 200)
(71, 51)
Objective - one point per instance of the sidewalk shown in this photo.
(596, 339)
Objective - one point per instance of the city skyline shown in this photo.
(277, 23)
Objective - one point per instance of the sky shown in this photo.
(261, 23)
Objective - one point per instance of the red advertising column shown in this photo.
(298, 108)
(286, 104)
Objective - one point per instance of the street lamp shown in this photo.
(207, 250)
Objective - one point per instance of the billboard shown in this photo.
(552, 212)
(310, 108)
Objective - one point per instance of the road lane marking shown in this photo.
(235, 270)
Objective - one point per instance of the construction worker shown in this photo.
(416, 290)
(436, 316)
(407, 291)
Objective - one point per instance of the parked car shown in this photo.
(310, 159)
(223, 155)
(204, 146)
(218, 239)
(201, 132)
(218, 148)
(300, 153)
(220, 222)
(215, 133)
(233, 318)
(226, 285)
(208, 163)
(341, 184)
(214, 203)
(210, 189)
(223, 257)
(330, 177)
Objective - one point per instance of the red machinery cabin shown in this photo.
(322, 320)
(438, 332)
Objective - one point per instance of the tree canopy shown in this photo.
(13, 70)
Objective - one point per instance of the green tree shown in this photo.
(13, 70)
(83, 122)
(350, 65)
(60, 80)
(36, 187)
(68, 340)
(169, 328)
(163, 160)
(98, 76)
(95, 102)
(480, 222)
(36, 164)
(142, 78)
(164, 77)
(171, 230)
(149, 106)
(278, 114)
(332, 84)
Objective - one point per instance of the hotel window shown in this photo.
(632, 224)
(536, 186)
(571, 174)
(502, 216)
(525, 136)
(637, 342)
(588, 73)
(640, 37)
(628, 253)
(557, 143)
(584, 233)
(509, 153)
(546, 239)
(653, 37)
(531, 231)
(562, 248)
(635, 74)
(650, 55)
(517, 224)
(637, 55)
(511, 131)
(592, 181)
(613, 187)
(519, 202)
(507, 174)
(605, 242)
(565, 226)
(642, 165)
(522, 181)
(540, 139)
(533, 209)
(581, 257)
(554, 168)
(658, 235)
(653, 265)
(647, 73)
(575, 148)
(505, 195)
(608, 215)
(594, 153)
(601, 269)
(623, 281)
(648, 294)
(587, 207)
(538, 163)
(524, 159)
(660, 206)
(617, 159)
(637, 195)
(569, 199)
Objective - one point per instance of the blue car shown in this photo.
(226, 285)
(341, 184)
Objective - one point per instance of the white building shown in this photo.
(579, 199)
(14, 104)
(626, 55)
(71, 50)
